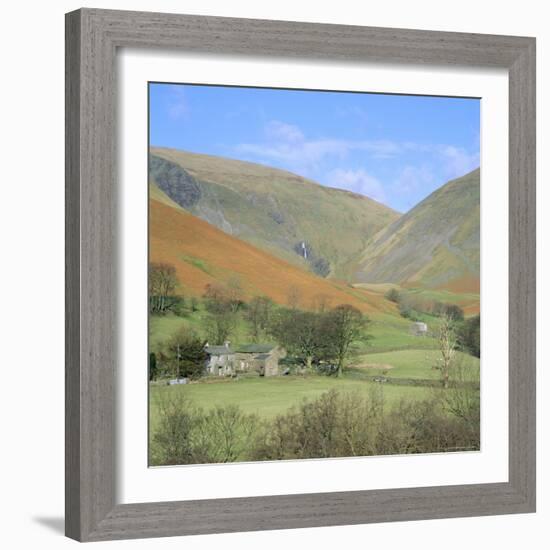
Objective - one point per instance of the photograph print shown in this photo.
(313, 275)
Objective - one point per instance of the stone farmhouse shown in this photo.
(226, 360)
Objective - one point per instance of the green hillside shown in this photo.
(318, 228)
(436, 244)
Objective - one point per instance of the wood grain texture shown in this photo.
(72, 277)
(522, 274)
(92, 37)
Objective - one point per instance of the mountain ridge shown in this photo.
(435, 244)
(319, 228)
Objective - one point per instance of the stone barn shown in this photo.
(260, 358)
(419, 329)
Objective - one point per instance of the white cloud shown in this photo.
(358, 181)
(280, 131)
(412, 179)
(286, 143)
(458, 161)
(420, 167)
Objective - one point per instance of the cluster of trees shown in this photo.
(259, 314)
(411, 306)
(310, 336)
(410, 309)
(341, 424)
(454, 312)
(336, 424)
(163, 283)
(189, 435)
(182, 356)
(325, 335)
(468, 335)
(165, 291)
(223, 303)
(463, 333)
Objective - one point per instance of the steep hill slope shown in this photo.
(317, 228)
(204, 254)
(436, 244)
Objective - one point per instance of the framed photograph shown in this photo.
(300, 275)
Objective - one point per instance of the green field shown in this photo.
(391, 332)
(268, 397)
(162, 328)
(387, 332)
(413, 363)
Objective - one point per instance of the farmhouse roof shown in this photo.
(219, 350)
(256, 348)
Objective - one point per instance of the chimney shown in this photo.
(227, 343)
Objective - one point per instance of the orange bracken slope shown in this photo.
(203, 254)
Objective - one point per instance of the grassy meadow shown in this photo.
(270, 397)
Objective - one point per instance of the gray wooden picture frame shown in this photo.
(92, 39)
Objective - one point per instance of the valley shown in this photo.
(248, 247)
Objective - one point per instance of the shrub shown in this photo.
(153, 369)
(350, 424)
(172, 439)
(454, 312)
(188, 435)
(469, 335)
(336, 424)
(393, 295)
(321, 267)
(178, 306)
(186, 355)
(408, 312)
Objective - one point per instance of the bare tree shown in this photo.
(463, 398)
(321, 302)
(258, 314)
(447, 347)
(172, 439)
(221, 296)
(294, 297)
(230, 432)
(222, 319)
(235, 293)
(163, 282)
(220, 326)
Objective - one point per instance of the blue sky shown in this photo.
(394, 149)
